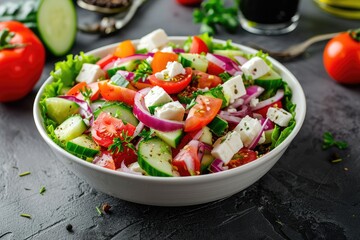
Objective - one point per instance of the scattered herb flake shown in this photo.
(27, 189)
(69, 227)
(24, 174)
(25, 215)
(42, 190)
(98, 210)
(329, 141)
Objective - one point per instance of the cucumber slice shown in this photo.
(154, 157)
(95, 105)
(218, 126)
(206, 136)
(56, 22)
(59, 109)
(229, 53)
(83, 146)
(193, 60)
(268, 134)
(118, 110)
(71, 128)
(206, 162)
(172, 138)
(271, 80)
(126, 66)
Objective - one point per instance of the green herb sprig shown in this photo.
(143, 71)
(329, 141)
(213, 13)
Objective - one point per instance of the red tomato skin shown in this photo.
(127, 156)
(205, 80)
(106, 60)
(189, 2)
(242, 157)
(198, 46)
(105, 160)
(105, 128)
(20, 68)
(171, 86)
(116, 93)
(214, 69)
(187, 162)
(341, 59)
(263, 111)
(202, 113)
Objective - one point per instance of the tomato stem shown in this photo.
(5, 38)
(355, 34)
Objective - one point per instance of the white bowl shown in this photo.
(176, 191)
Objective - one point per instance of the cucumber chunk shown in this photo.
(206, 136)
(154, 157)
(206, 162)
(71, 128)
(56, 23)
(59, 109)
(126, 66)
(118, 110)
(218, 126)
(172, 138)
(193, 60)
(83, 146)
(271, 80)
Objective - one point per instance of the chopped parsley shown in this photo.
(143, 71)
(329, 141)
(24, 174)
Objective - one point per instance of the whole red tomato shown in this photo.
(22, 58)
(342, 57)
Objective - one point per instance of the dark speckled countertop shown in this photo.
(303, 196)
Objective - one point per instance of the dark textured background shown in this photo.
(303, 197)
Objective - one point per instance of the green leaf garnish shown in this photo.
(329, 141)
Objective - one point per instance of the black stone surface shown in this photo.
(303, 196)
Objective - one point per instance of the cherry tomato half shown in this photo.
(174, 85)
(242, 157)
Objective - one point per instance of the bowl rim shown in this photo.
(300, 117)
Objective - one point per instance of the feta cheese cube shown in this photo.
(155, 39)
(172, 69)
(90, 73)
(254, 102)
(255, 67)
(156, 96)
(234, 88)
(248, 128)
(279, 116)
(167, 49)
(226, 146)
(171, 111)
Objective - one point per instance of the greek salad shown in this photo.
(158, 108)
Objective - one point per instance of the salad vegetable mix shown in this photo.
(162, 109)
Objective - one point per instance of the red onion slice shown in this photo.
(217, 166)
(225, 63)
(149, 120)
(252, 92)
(229, 118)
(256, 139)
(85, 109)
(278, 96)
(241, 60)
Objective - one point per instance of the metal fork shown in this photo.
(295, 50)
(109, 25)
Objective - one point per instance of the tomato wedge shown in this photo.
(106, 127)
(160, 60)
(127, 155)
(125, 49)
(116, 93)
(174, 85)
(105, 160)
(242, 157)
(198, 46)
(106, 60)
(187, 162)
(204, 80)
(202, 113)
(77, 90)
(214, 69)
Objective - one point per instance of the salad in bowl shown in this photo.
(170, 121)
